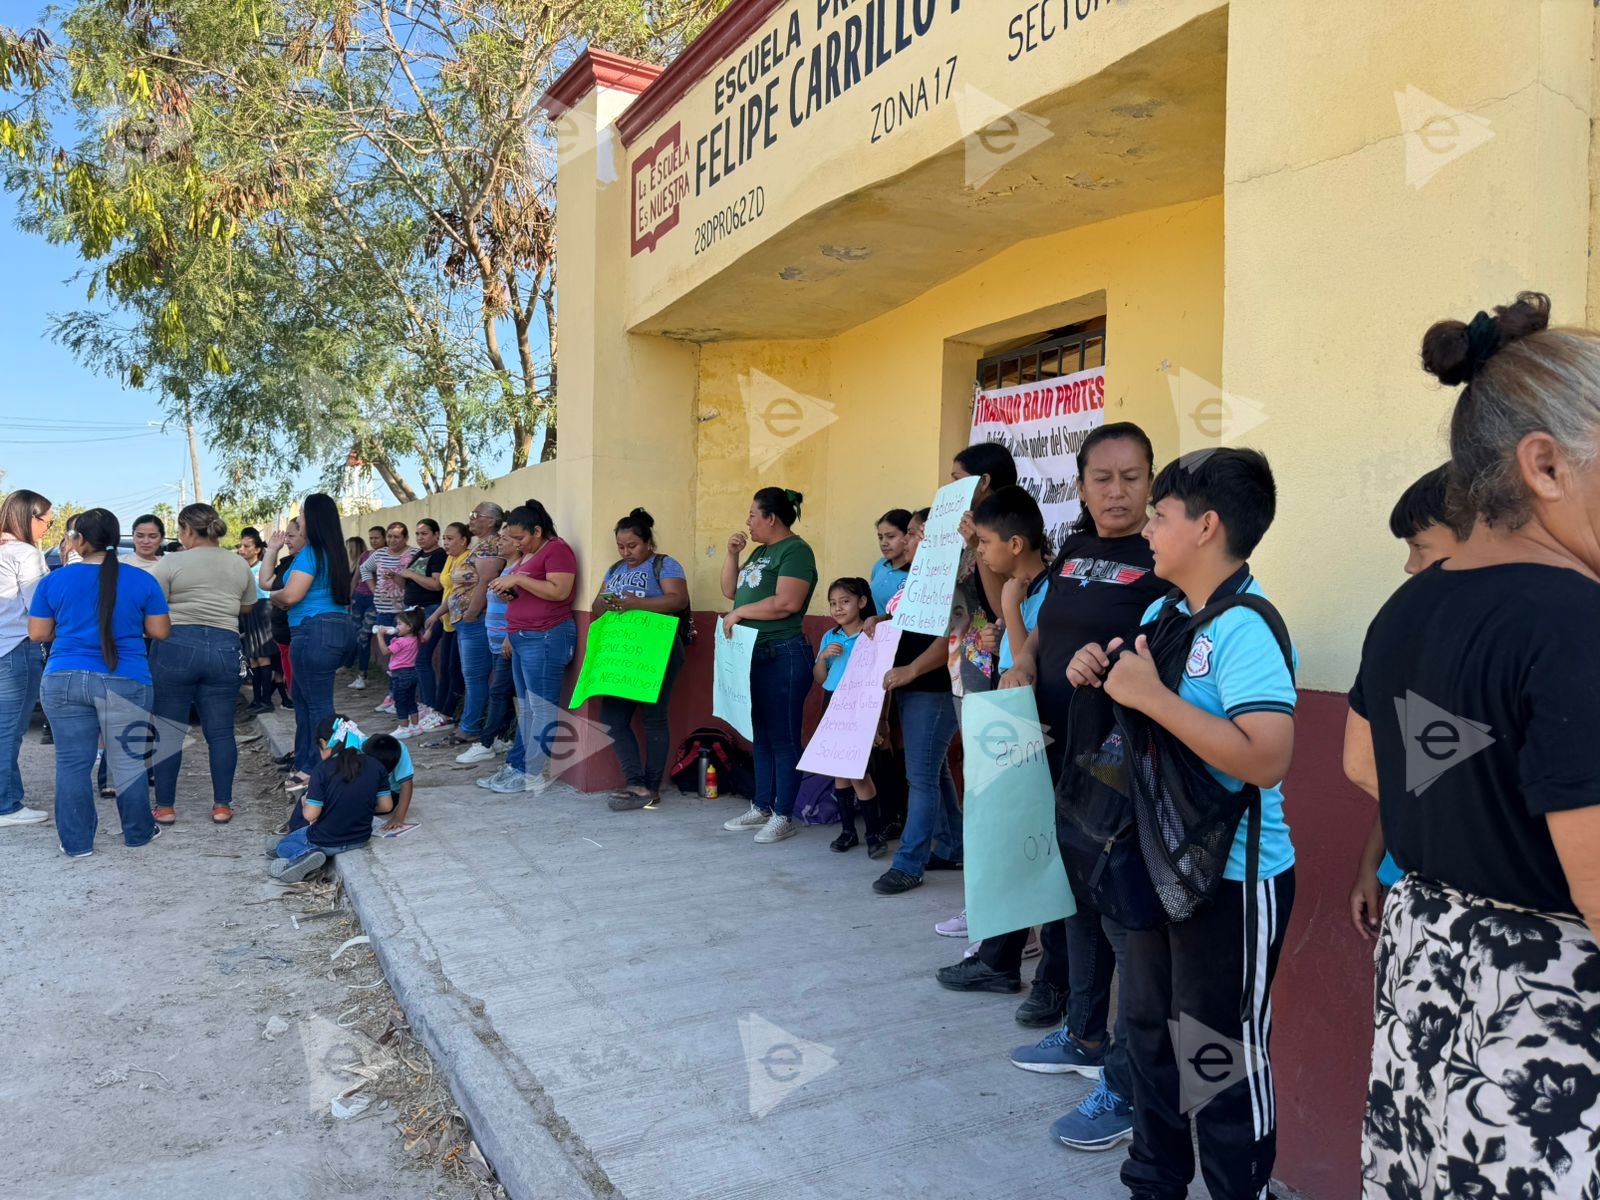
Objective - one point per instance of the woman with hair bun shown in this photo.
(97, 614)
(770, 593)
(200, 665)
(642, 580)
(1485, 1063)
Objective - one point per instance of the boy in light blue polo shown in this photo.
(1208, 979)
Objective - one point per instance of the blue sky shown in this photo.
(65, 430)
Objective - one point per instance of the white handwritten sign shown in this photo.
(931, 585)
(842, 743)
(730, 696)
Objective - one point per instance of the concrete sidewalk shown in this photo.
(591, 980)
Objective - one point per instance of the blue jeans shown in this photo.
(426, 683)
(199, 666)
(361, 618)
(316, 648)
(84, 707)
(933, 821)
(538, 660)
(298, 843)
(472, 643)
(780, 678)
(500, 719)
(21, 668)
(403, 688)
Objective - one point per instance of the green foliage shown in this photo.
(324, 227)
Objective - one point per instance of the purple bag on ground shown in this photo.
(814, 803)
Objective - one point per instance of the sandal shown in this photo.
(164, 816)
(221, 814)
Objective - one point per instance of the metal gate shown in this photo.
(1063, 352)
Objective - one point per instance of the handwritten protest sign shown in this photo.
(1044, 425)
(730, 694)
(843, 741)
(626, 656)
(1014, 875)
(931, 585)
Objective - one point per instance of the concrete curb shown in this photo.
(506, 1119)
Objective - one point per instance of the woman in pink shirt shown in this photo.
(543, 636)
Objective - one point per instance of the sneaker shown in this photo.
(975, 975)
(893, 882)
(293, 870)
(512, 780)
(24, 816)
(751, 818)
(629, 802)
(405, 732)
(845, 841)
(432, 720)
(1060, 1054)
(954, 927)
(503, 745)
(488, 781)
(476, 753)
(1102, 1121)
(356, 684)
(1045, 1005)
(877, 847)
(387, 706)
(776, 829)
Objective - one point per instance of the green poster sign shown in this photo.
(626, 656)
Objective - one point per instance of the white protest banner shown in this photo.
(843, 741)
(1014, 876)
(730, 694)
(1043, 424)
(931, 585)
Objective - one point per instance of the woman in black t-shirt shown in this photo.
(1100, 584)
(1473, 722)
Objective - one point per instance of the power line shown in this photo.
(55, 441)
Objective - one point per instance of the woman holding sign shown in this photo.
(642, 580)
(770, 593)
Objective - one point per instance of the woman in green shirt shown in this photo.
(770, 593)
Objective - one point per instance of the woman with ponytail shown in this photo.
(770, 593)
(96, 615)
(199, 666)
(316, 595)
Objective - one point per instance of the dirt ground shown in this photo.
(176, 1024)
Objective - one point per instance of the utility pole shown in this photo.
(183, 494)
(194, 452)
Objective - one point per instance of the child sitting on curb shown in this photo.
(347, 789)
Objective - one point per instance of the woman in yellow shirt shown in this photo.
(456, 583)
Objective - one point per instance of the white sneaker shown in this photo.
(954, 927)
(754, 818)
(475, 753)
(387, 706)
(428, 720)
(24, 816)
(488, 781)
(404, 732)
(776, 829)
(356, 684)
(503, 745)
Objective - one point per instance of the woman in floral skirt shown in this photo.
(1474, 722)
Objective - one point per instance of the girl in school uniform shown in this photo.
(850, 604)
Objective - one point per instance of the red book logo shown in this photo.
(660, 182)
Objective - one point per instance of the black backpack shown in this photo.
(736, 771)
(686, 630)
(1145, 829)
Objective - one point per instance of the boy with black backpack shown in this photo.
(1215, 694)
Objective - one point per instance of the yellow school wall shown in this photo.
(540, 482)
(901, 384)
(1336, 264)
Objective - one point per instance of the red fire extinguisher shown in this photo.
(711, 782)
